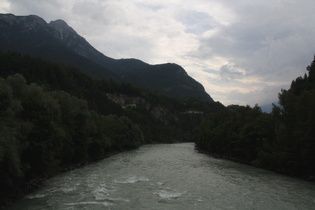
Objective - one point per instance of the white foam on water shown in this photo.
(34, 196)
(160, 183)
(199, 199)
(117, 199)
(102, 192)
(67, 190)
(131, 180)
(168, 194)
(89, 203)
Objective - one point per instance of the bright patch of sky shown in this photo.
(4, 6)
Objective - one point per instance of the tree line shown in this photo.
(283, 141)
(45, 131)
(54, 117)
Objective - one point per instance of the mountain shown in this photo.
(56, 41)
(172, 79)
(32, 35)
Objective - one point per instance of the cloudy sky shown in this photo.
(242, 52)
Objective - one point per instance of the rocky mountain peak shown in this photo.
(9, 18)
(30, 22)
(62, 28)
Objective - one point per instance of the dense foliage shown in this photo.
(236, 132)
(295, 126)
(53, 117)
(44, 131)
(283, 141)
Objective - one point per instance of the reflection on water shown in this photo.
(170, 176)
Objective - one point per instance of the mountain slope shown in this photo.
(170, 78)
(32, 35)
(57, 41)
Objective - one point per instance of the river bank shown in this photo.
(225, 157)
(169, 177)
(34, 184)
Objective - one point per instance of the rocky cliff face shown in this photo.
(128, 102)
(73, 40)
(62, 30)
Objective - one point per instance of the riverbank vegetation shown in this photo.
(283, 141)
(45, 131)
(53, 117)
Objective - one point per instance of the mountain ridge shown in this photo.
(57, 41)
(32, 35)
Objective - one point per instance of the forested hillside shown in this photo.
(53, 117)
(283, 141)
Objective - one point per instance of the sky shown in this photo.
(243, 52)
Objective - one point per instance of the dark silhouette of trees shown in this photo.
(53, 117)
(283, 141)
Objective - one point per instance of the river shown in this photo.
(170, 176)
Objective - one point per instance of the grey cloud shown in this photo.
(211, 71)
(266, 39)
(266, 95)
(48, 9)
(150, 6)
(196, 22)
(229, 72)
(91, 10)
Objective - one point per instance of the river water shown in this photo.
(170, 176)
